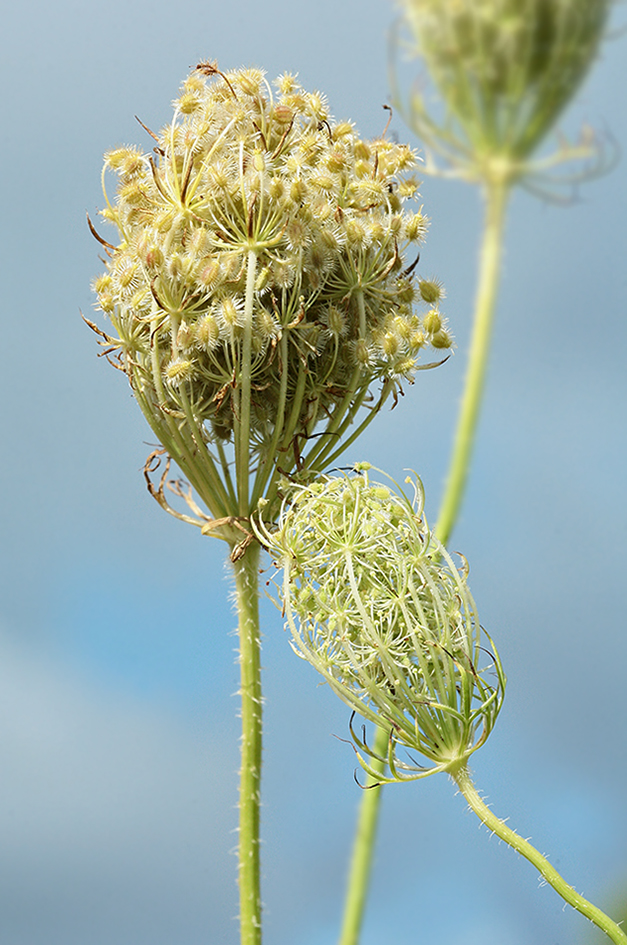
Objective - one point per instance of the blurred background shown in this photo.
(118, 719)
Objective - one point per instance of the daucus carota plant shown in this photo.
(376, 604)
(263, 311)
(498, 75)
(264, 307)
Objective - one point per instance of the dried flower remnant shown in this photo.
(259, 289)
(377, 606)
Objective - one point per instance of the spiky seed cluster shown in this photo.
(377, 606)
(505, 68)
(264, 240)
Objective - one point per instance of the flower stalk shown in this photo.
(496, 197)
(249, 872)
(603, 922)
(363, 844)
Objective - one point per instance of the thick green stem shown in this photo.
(246, 591)
(363, 848)
(595, 915)
(496, 194)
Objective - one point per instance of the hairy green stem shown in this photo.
(246, 590)
(547, 871)
(496, 194)
(363, 848)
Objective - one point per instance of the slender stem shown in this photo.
(268, 462)
(246, 590)
(205, 480)
(336, 426)
(600, 919)
(201, 454)
(365, 423)
(342, 417)
(226, 473)
(496, 194)
(242, 427)
(363, 848)
(286, 451)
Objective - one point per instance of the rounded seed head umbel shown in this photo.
(376, 604)
(244, 169)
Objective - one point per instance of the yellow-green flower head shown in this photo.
(261, 240)
(504, 68)
(377, 606)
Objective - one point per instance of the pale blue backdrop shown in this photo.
(118, 728)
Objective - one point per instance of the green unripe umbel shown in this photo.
(377, 606)
(505, 70)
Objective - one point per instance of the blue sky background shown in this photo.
(118, 728)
